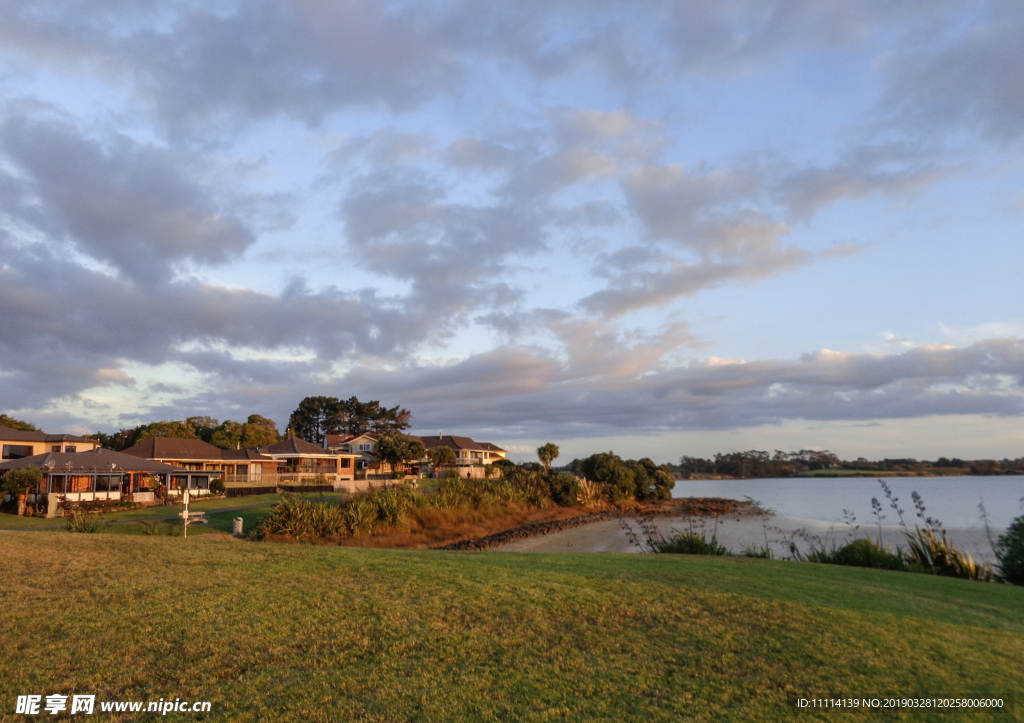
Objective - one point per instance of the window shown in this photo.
(55, 448)
(365, 447)
(71, 448)
(17, 451)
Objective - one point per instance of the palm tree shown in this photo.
(547, 454)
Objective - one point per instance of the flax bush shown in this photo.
(1010, 553)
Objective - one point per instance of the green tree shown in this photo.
(228, 435)
(441, 457)
(18, 482)
(316, 417)
(547, 454)
(176, 430)
(12, 423)
(203, 426)
(258, 431)
(395, 450)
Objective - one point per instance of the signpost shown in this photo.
(184, 510)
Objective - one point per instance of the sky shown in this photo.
(659, 227)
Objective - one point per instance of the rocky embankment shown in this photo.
(695, 507)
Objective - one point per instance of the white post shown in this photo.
(184, 512)
(238, 527)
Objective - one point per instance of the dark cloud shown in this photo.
(134, 206)
(967, 76)
(78, 328)
(307, 58)
(528, 392)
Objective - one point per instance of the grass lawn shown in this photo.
(13, 522)
(273, 632)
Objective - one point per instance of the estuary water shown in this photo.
(952, 500)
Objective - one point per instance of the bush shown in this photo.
(18, 482)
(81, 523)
(690, 543)
(1010, 553)
(865, 553)
(565, 489)
(938, 556)
(217, 486)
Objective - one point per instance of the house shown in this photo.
(467, 451)
(17, 444)
(101, 474)
(360, 445)
(288, 462)
(305, 463)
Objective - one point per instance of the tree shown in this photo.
(258, 431)
(395, 450)
(202, 426)
(228, 435)
(547, 454)
(441, 457)
(314, 418)
(176, 430)
(18, 482)
(12, 423)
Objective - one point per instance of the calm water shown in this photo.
(953, 500)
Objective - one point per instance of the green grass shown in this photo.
(13, 522)
(308, 633)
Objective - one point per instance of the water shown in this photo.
(953, 500)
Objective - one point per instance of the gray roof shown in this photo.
(295, 447)
(454, 442)
(18, 435)
(98, 459)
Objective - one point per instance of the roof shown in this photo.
(18, 435)
(455, 442)
(294, 446)
(174, 448)
(336, 440)
(249, 453)
(97, 459)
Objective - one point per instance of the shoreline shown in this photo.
(737, 532)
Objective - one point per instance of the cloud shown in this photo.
(967, 77)
(77, 329)
(138, 207)
(519, 391)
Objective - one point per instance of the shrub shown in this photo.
(866, 553)
(217, 486)
(690, 543)
(18, 482)
(937, 555)
(565, 488)
(1010, 553)
(81, 523)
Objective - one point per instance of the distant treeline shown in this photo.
(756, 463)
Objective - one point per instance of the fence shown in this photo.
(307, 488)
(247, 491)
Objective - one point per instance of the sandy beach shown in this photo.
(737, 532)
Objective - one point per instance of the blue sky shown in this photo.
(657, 227)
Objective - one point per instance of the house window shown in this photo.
(55, 448)
(17, 451)
(365, 447)
(71, 448)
